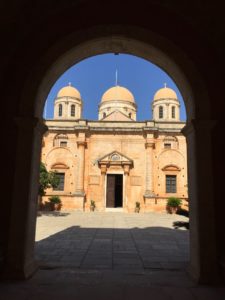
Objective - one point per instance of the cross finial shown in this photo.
(69, 84)
(116, 77)
(165, 84)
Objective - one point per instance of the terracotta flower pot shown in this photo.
(172, 209)
(58, 206)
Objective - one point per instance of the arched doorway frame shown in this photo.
(71, 50)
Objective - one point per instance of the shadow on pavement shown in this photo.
(131, 249)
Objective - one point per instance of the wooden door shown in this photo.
(110, 194)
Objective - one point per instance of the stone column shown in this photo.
(203, 247)
(80, 169)
(103, 174)
(126, 178)
(149, 193)
(19, 261)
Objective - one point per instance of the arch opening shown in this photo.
(121, 44)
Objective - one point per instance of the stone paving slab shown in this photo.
(112, 241)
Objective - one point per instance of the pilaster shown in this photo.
(203, 251)
(149, 145)
(20, 262)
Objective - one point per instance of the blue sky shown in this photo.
(93, 76)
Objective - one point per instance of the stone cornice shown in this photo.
(150, 144)
(61, 99)
(81, 143)
(165, 99)
(105, 103)
(115, 126)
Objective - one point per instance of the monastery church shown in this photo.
(116, 161)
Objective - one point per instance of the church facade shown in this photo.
(116, 161)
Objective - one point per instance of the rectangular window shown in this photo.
(167, 146)
(160, 112)
(60, 186)
(171, 183)
(173, 112)
(63, 144)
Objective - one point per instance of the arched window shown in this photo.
(104, 115)
(173, 112)
(160, 112)
(72, 110)
(129, 115)
(60, 110)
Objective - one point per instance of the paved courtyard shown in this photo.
(112, 240)
(112, 256)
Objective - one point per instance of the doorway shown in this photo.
(114, 191)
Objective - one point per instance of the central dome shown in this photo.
(69, 91)
(118, 93)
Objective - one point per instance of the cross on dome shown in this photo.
(116, 77)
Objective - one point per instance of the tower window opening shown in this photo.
(167, 145)
(63, 144)
(173, 112)
(60, 110)
(104, 115)
(130, 115)
(72, 110)
(160, 112)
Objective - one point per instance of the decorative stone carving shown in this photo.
(115, 159)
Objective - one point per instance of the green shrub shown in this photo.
(174, 202)
(55, 199)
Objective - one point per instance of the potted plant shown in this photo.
(92, 205)
(173, 204)
(137, 207)
(55, 202)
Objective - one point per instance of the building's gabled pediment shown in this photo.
(115, 158)
(117, 115)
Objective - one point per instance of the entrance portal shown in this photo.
(114, 194)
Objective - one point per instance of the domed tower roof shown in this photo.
(165, 93)
(165, 105)
(68, 104)
(118, 93)
(69, 91)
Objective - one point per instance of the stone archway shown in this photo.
(198, 132)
